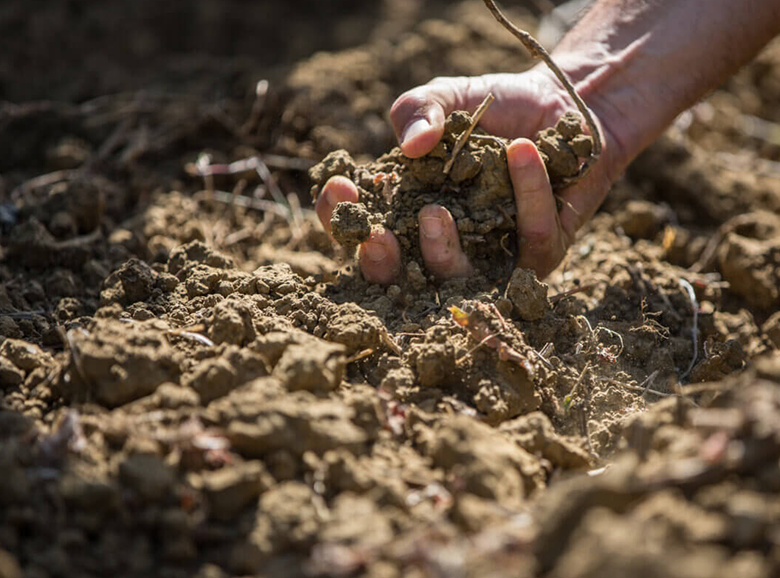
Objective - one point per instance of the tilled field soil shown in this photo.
(196, 382)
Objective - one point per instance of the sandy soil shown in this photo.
(194, 381)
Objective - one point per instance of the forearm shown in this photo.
(639, 63)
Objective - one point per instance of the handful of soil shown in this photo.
(477, 191)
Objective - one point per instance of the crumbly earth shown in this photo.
(195, 382)
(350, 224)
(476, 190)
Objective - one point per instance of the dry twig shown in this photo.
(569, 398)
(23, 314)
(463, 138)
(695, 329)
(563, 294)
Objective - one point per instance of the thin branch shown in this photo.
(462, 139)
(538, 51)
(570, 292)
(695, 329)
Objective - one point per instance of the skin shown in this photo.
(636, 63)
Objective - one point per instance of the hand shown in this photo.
(525, 103)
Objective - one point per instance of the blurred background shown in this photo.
(74, 50)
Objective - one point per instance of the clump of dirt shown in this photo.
(477, 190)
(350, 224)
(563, 147)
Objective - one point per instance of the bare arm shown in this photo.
(639, 63)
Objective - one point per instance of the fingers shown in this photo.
(542, 243)
(440, 244)
(380, 258)
(418, 115)
(336, 190)
(521, 107)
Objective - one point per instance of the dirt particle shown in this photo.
(315, 366)
(148, 475)
(771, 328)
(229, 490)
(137, 279)
(642, 219)
(582, 145)
(492, 467)
(118, 362)
(355, 328)
(722, 359)
(335, 163)
(569, 125)
(558, 156)
(196, 252)
(26, 356)
(350, 224)
(232, 322)
(528, 295)
(10, 375)
(217, 376)
(535, 434)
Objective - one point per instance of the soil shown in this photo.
(194, 381)
(475, 188)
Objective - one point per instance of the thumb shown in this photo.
(418, 115)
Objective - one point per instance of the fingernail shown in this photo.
(415, 129)
(522, 156)
(374, 251)
(432, 227)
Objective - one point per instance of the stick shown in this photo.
(649, 381)
(249, 203)
(23, 314)
(570, 292)
(644, 390)
(695, 330)
(249, 164)
(261, 91)
(462, 139)
(538, 51)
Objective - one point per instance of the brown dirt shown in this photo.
(476, 190)
(194, 382)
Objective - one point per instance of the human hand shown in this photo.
(525, 103)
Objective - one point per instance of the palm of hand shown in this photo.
(525, 103)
